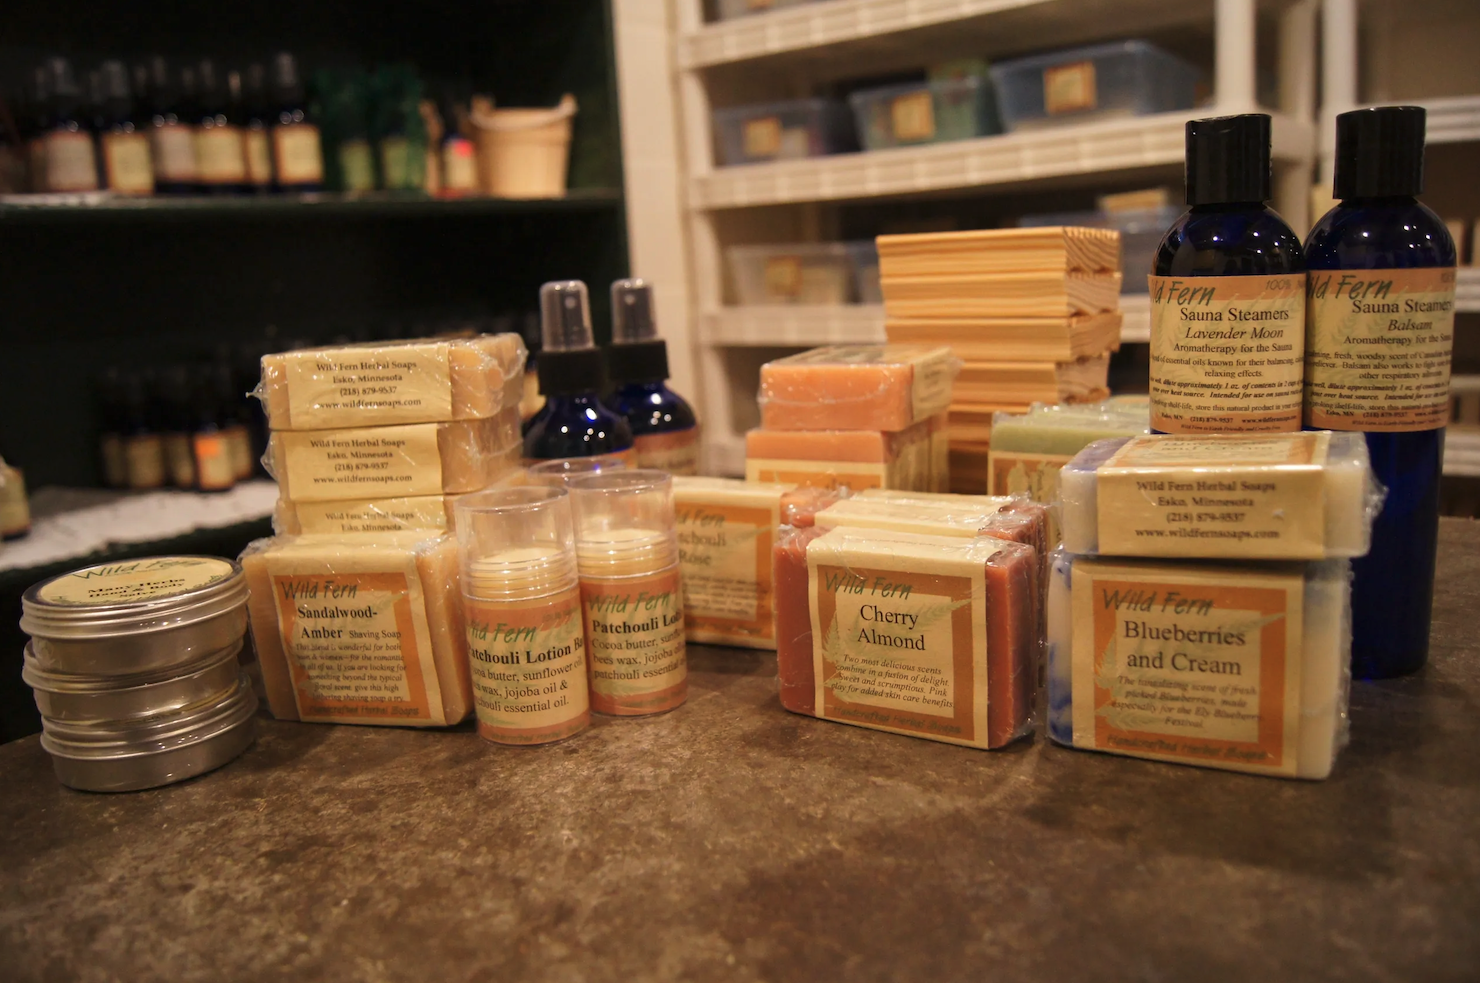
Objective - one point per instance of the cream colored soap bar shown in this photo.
(432, 512)
(1243, 667)
(726, 531)
(394, 462)
(854, 459)
(965, 516)
(382, 383)
(360, 628)
(1299, 496)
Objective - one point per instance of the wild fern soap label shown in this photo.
(1377, 349)
(528, 660)
(635, 627)
(1227, 353)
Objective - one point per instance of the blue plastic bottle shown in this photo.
(665, 433)
(1382, 297)
(572, 372)
(1227, 294)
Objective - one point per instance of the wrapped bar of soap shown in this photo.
(394, 462)
(930, 636)
(856, 387)
(433, 512)
(855, 459)
(1028, 449)
(360, 628)
(1237, 666)
(1297, 496)
(382, 383)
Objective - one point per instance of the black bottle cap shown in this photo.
(1228, 159)
(637, 353)
(1379, 152)
(117, 95)
(287, 85)
(569, 361)
(210, 92)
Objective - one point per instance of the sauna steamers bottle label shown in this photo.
(528, 660)
(1227, 353)
(1377, 349)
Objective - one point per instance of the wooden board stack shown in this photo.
(1033, 313)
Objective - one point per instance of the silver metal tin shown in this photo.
(65, 697)
(121, 619)
(122, 757)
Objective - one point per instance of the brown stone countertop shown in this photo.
(730, 840)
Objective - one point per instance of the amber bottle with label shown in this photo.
(123, 144)
(256, 117)
(215, 467)
(70, 161)
(1228, 294)
(297, 152)
(220, 152)
(171, 136)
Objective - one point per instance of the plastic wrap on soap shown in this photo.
(431, 512)
(403, 461)
(857, 387)
(326, 611)
(426, 380)
(853, 459)
(1303, 496)
(1173, 671)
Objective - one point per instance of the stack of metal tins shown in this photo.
(134, 666)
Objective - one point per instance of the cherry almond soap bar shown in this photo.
(1243, 667)
(930, 636)
(1298, 496)
(360, 628)
(857, 387)
(383, 383)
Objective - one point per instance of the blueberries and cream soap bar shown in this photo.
(383, 383)
(1299, 496)
(1243, 667)
(857, 387)
(394, 462)
(360, 628)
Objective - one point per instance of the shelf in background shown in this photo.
(102, 205)
(1135, 319)
(1467, 290)
(1462, 451)
(1087, 150)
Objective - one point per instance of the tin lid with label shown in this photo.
(133, 596)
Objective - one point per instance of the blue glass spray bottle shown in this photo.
(572, 372)
(1394, 316)
(665, 433)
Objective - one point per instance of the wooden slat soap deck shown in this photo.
(990, 251)
(1040, 339)
(1009, 295)
(1027, 382)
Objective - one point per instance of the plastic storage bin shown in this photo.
(1141, 231)
(806, 273)
(783, 131)
(925, 112)
(1125, 78)
(730, 9)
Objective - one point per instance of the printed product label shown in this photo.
(179, 459)
(219, 155)
(913, 117)
(459, 166)
(239, 446)
(899, 640)
(151, 579)
(1034, 475)
(529, 668)
(357, 640)
(356, 387)
(145, 456)
(126, 161)
(1227, 353)
(174, 153)
(297, 154)
(783, 277)
(1243, 496)
(70, 165)
(1191, 665)
(259, 158)
(356, 165)
(395, 162)
(376, 462)
(213, 467)
(762, 137)
(724, 552)
(635, 628)
(115, 462)
(856, 475)
(15, 508)
(382, 515)
(676, 452)
(1377, 349)
(1069, 88)
(934, 375)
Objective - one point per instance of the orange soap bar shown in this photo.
(958, 614)
(316, 599)
(855, 459)
(428, 380)
(856, 387)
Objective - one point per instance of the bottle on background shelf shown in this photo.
(401, 137)
(174, 386)
(111, 414)
(71, 163)
(15, 505)
(1381, 294)
(457, 155)
(256, 118)
(209, 440)
(220, 152)
(122, 141)
(665, 433)
(231, 399)
(346, 131)
(297, 152)
(143, 443)
(171, 137)
(572, 373)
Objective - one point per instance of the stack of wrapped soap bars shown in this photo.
(1032, 313)
(856, 417)
(355, 604)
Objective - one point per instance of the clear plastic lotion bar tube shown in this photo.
(1227, 294)
(561, 471)
(1381, 296)
(627, 544)
(522, 606)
